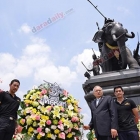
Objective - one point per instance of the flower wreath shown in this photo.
(49, 113)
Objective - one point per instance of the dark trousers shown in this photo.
(7, 129)
(105, 138)
(128, 135)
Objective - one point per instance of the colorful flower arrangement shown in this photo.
(49, 113)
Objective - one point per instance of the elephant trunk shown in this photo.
(123, 55)
(132, 35)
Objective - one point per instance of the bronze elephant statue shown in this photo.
(114, 53)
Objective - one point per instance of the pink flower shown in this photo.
(44, 91)
(42, 134)
(62, 135)
(37, 117)
(75, 119)
(39, 129)
(49, 108)
(19, 128)
(61, 127)
(69, 130)
(65, 93)
(23, 121)
(62, 109)
(48, 122)
(60, 122)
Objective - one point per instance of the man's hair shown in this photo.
(15, 80)
(118, 87)
(95, 87)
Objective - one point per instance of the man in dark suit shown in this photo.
(104, 116)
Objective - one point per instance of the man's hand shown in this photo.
(114, 133)
(86, 127)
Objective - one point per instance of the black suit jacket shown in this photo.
(104, 116)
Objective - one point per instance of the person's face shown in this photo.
(14, 87)
(97, 92)
(118, 93)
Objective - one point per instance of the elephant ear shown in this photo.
(98, 36)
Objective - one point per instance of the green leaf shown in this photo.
(22, 104)
(24, 131)
(90, 135)
(19, 112)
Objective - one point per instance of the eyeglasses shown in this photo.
(98, 90)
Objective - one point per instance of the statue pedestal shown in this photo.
(129, 79)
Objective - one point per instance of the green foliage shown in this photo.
(90, 135)
(24, 131)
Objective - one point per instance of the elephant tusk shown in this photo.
(132, 35)
(117, 38)
(114, 37)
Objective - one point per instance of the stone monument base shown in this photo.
(129, 79)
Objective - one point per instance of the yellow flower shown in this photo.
(38, 113)
(34, 124)
(27, 101)
(34, 96)
(43, 109)
(29, 121)
(24, 112)
(27, 96)
(56, 131)
(68, 101)
(76, 102)
(56, 114)
(68, 123)
(76, 109)
(28, 109)
(70, 113)
(39, 136)
(69, 135)
(31, 91)
(22, 121)
(48, 107)
(35, 103)
(43, 117)
(30, 129)
(72, 100)
(49, 135)
(38, 92)
(56, 108)
(42, 123)
(62, 119)
(34, 110)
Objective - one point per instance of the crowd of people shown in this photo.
(111, 118)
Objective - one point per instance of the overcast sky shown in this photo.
(48, 39)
